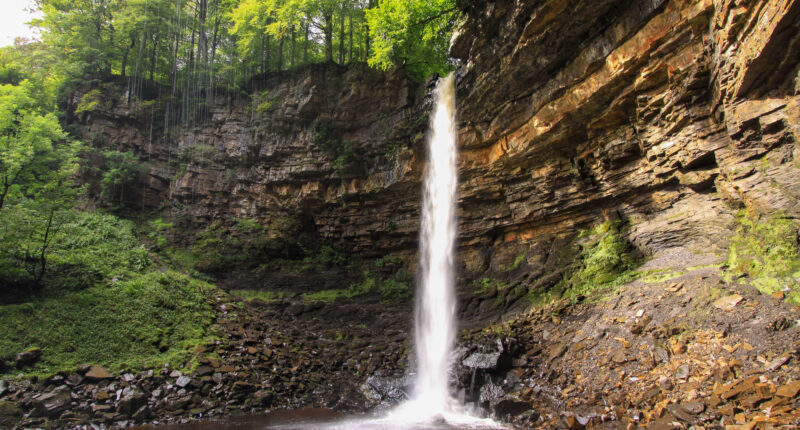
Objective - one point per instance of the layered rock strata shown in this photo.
(670, 115)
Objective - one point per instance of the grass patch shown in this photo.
(765, 251)
(518, 260)
(392, 289)
(265, 296)
(366, 286)
(137, 323)
(657, 276)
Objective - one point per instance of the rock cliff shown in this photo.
(628, 144)
(668, 115)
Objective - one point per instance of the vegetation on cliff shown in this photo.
(765, 252)
(78, 284)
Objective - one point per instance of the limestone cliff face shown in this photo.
(670, 114)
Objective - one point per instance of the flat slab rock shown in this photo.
(97, 373)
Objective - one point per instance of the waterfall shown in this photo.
(435, 310)
(430, 405)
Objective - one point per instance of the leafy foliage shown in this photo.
(196, 46)
(329, 141)
(31, 162)
(120, 173)
(36, 165)
(414, 34)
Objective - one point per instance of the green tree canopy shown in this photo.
(36, 166)
(414, 34)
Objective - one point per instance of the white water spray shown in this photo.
(435, 312)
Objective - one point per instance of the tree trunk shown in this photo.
(370, 4)
(293, 47)
(127, 51)
(39, 275)
(280, 54)
(202, 42)
(153, 57)
(350, 47)
(328, 17)
(305, 46)
(341, 36)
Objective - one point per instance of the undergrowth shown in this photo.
(105, 303)
(764, 250)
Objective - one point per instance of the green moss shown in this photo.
(765, 251)
(245, 244)
(604, 261)
(517, 261)
(658, 276)
(91, 101)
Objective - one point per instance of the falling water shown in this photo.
(435, 312)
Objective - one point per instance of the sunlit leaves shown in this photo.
(412, 33)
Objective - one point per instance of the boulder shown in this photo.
(141, 414)
(491, 392)
(50, 405)
(509, 407)
(183, 381)
(481, 360)
(131, 403)
(98, 373)
(26, 358)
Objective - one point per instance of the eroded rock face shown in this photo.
(669, 114)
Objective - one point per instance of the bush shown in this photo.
(86, 248)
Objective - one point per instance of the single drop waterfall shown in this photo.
(430, 405)
(435, 312)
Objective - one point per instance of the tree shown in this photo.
(30, 163)
(36, 166)
(412, 33)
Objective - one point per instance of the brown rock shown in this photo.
(790, 389)
(101, 396)
(97, 373)
(619, 357)
(728, 302)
